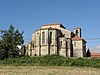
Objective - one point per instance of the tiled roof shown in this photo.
(50, 24)
(95, 54)
(77, 28)
(77, 38)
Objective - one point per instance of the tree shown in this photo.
(9, 40)
(88, 54)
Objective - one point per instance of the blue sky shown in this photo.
(29, 15)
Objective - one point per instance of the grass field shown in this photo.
(53, 70)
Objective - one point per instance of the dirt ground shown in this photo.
(53, 70)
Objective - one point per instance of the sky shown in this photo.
(30, 15)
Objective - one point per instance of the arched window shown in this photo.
(60, 43)
(50, 37)
(77, 32)
(43, 37)
(74, 44)
(37, 39)
(33, 45)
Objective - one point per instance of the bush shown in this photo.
(51, 60)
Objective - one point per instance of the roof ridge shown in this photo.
(51, 24)
(77, 38)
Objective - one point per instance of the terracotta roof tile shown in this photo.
(77, 28)
(50, 24)
(96, 54)
(77, 38)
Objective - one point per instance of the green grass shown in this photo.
(52, 60)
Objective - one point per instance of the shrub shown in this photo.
(51, 60)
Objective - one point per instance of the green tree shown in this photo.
(88, 54)
(9, 40)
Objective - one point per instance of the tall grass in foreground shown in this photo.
(52, 60)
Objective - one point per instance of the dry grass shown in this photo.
(41, 70)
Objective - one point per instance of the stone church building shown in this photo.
(56, 39)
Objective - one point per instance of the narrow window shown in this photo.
(61, 44)
(37, 39)
(74, 44)
(33, 45)
(77, 32)
(43, 37)
(50, 37)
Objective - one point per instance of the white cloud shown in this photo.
(95, 49)
(98, 46)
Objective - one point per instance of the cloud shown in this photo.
(95, 49)
(98, 46)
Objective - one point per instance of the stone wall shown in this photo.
(78, 48)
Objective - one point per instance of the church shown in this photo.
(56, 39)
